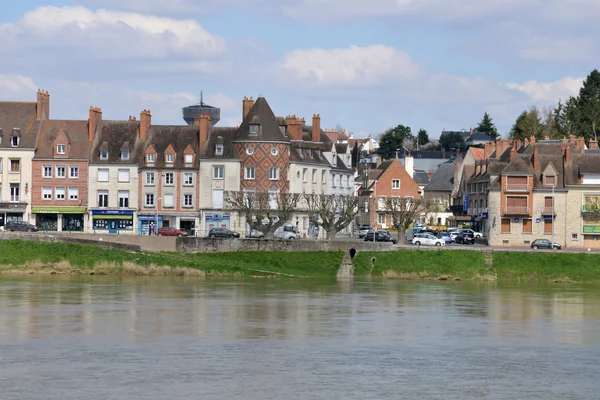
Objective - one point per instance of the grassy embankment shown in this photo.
(31, 257)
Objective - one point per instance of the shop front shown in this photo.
(216, 221)
(11, 212)
(147, 224)
(61, 219)
(591, 236)
(113, 221)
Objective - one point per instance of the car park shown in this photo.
(379, 236)
(464, 238)
(427, 239)
(170, 231)
(544, 244)
(445, 236)
(363, 230)
(21, 226)
(222, 233)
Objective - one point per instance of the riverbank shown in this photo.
(25, 257)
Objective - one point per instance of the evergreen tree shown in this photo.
(528, 124)
(588, 107)
(422, 137)
(392, 140)
(487, 126)
(452, 141)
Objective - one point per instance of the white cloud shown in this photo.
(13, 87)
(549, 91)
(352, 66)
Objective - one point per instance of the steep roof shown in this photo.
(478, 153)
(20, 115)
(519, 165)
(179, 137)
(75, 131)
(112, 135)
(261, 113)
(442, 179)
(228, 134)
(420, 177)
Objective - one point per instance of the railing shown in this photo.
(548, 210)
(516, 210)
(517, 187)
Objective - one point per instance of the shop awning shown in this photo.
(110, 216)
(58, 210)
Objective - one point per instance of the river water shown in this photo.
(182, 338)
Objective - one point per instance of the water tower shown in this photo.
(193, 112)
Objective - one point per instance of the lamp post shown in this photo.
(376, 209)
(552, 242)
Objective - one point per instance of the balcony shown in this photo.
(517, 187)
(516, 210)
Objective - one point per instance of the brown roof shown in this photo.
(113, 135)
(176, 136)
(20, 115)
(262, 114)
(215, 134)
(75, 131)
(477, 153)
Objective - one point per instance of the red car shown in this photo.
(169, 231)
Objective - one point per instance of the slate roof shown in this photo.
(75, 131)
(228, 134)
(269, 131)
(420, 177)
(479, 136)
(442, 179)
(112, 135)
(176, 136)
(20, 115)
(519, 165)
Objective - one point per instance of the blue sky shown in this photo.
(367, 66)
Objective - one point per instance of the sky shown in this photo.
(363, 65)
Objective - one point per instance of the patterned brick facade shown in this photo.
(262, 158)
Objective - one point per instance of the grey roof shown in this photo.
(442, 179)
(224, 135)
(479, 136)
(179, 137)
(23, 117)
(420, 177)
(113, 135)
(261, 113)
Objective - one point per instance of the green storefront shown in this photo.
(67, 219)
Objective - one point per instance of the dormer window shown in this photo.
(169, 158)
(14, 141)
(189, 159)
(550, 180)
(254, 129)
(150, 158)
(60, 148)
(218, 150)
(104, 154)
(124, 154)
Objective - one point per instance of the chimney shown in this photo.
(526, 142)
(536, 159)
(457, 152)
(568, 155)
(571, 139)
(515, 145)
(145, 122)
(43, 105)
(457, 166)
(547, 138)
(513, 153)
(409, 164)
(593, 144)
(498, 147)
(532, 139)
(294, 127)
(443, 153)
(316, 128)
(486, 150)
(95, 116)
(581, 144)
(430, 174)
(247, 104)
(204, 126)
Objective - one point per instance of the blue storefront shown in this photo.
(112, 221)
(148, 221)
(215, 221)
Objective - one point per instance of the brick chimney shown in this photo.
(581, 144)
(43, 105)
(498, 147)
(513, 153)
(145, 122)
(536, 159)
(526, 142)
(571, 139)
(95, 116)
(593, 144)
(294, 126)
(568, 154)
(316, 128)
(532, 139)
(204, 124)
(443, 153)
(247, 104)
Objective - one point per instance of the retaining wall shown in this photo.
(40, 237)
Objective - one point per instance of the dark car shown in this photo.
(465, 238)
(222, 233)
(379, 237)
(20, 226)
(544, 244)
(363, 230)
(170, 231)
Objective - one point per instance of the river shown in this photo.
(182, 338)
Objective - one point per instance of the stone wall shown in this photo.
(43, 238)
(207, 245)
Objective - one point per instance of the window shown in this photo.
(274, 151)
(187, 200)
(15, 192)
(218, 172)
(60, 149)
(168, 201)
(249, 173)
(217, 198)
(73, 171)
(250, 151)
(123, 175)
(323, 177)
(103, 175)
(59, 193)
(169, 158)
(505, 227)
(274, 173)
(73, 193)
(527, 225)
(332, 180)
(548, 226)
(150, 178)
(169, 179)
(149, 200)
(314, 176)
(550, 180)
(381, 218)
(188, 179)
(305, 175)
(189, 159)
(61, 171)
(219, 150)
(395, 183)
(14, 141)
(124, 154)
(124, 198)
(102, 198)
(0, 161)
(104, 154)
(15, 165)
(381, 203)
(150, 158)
(254, 129)
(47, 171)
(47, 193)
(573, 236)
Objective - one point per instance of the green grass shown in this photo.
(580, 267)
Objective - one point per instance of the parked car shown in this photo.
(363, 230)
(475, 234)
(170, 231)
(445, 236)
(427, 239)
(287, 232)
(465, 238)
(223, 233)
(380, 236)
(254, 234)
(22, 226)
(544, 244)
(453, 235)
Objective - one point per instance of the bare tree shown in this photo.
(404, 210)
(409, 143)
(334, 212)
(264, 212)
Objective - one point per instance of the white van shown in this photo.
(287, 231)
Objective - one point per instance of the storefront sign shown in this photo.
(112, 212)
(146, 217)
(591, 229)
(13, 206)
(58, 210)
(210, 217)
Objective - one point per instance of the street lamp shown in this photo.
(552, 243)
(376, 209)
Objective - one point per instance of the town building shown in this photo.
(439, 191)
